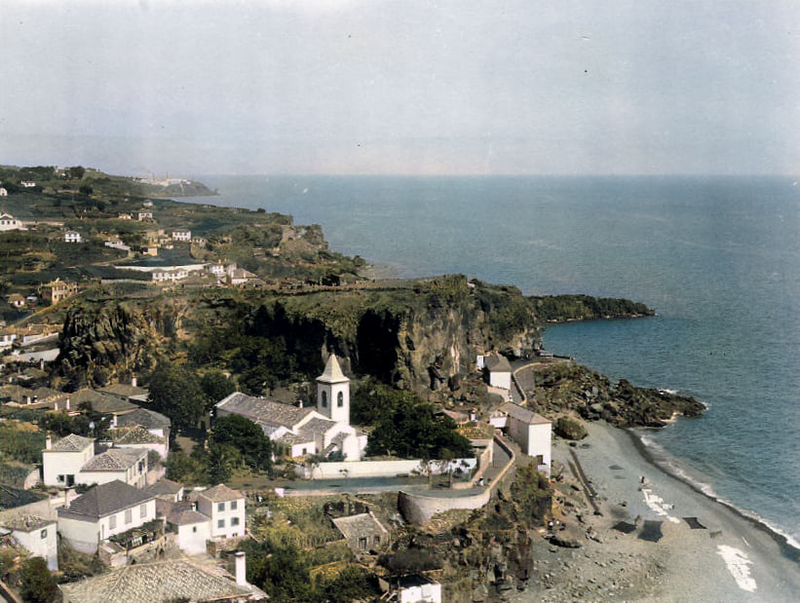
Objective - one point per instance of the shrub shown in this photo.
(570, 429)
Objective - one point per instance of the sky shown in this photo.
(402, 87)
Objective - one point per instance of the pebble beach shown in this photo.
(642, 535)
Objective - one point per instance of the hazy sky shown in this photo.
(408, 87)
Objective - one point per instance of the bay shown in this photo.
(717, 257)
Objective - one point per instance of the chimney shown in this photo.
(48, 442)
(241, 568)
(55, 406)
(67, 404)
(133, 381)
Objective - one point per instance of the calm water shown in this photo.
(719, 258)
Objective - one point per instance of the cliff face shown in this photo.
(414, 337)
(115, 338)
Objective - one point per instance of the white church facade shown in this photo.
(321, 431)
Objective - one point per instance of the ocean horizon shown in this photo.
(717, 257)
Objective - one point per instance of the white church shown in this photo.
(306, 431)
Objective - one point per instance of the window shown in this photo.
(234, 521)
(221, 523)
(128, 516)
(362, 543)
(194, 529)
(44, 534)
(60, 479)
(143, 511)
(112, 522)
(221, 507)
(233, 504)
(340, 400)
(324, 399)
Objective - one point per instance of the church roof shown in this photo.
(263, 411)
(333, 372)
(315, 428)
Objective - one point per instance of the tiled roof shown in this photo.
(26, 523)
(333, 372)
(358, 525)
(71, 443)
(182, 516)
(262, 410)
(11, 498)
(523, 414)
(133, 435)
(497, 363)
(126, 390)
(114, 459)
(105, 499)
(164, 486)
(221, 493)
(149, 419)
(291, 439)
(111, 404)
(155, 583)
(315, 428)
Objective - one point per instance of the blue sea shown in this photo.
(717, 257)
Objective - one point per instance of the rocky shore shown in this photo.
(630, 532)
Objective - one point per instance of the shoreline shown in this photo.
(791, 551)
(655, 538)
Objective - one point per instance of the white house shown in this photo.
(72, 236)
(128, 465)
(102, 512)
(182, 235)
(225, 507)
(531, 431)
(305, 430)
(37, 535)
(3, 192)
(9, 222)
(192, 527)
(419, 589)
(498, 371)
(138, 437)
(145, 215)
(63, 461)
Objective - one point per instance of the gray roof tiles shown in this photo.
(523, 414)
(262, 410)
(114, 459)
(71, 443)
(105, 499)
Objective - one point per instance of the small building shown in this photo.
(152, 421)
(108, 509)
(138, 437)
(56, 290)
(363, 532)
(9, 222)
(144, 215)
(225, 507)
(72, 236)
(416, 588)
(128, 465)
(532, 432)
(3, 192)
(63, 461)
(182, 235)
(498, 371)
(37, 535)
(15, 300)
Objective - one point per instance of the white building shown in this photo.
(37, 535)
(531, 431)
(306, 431)
(498, 371)
(225, 508)
(182, 235)
(72, 236)
(128, 465)
(419, 589)
(145, 215)
(102, 512)
(9, 222)
(63, 461)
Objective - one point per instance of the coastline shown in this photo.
(656, 539)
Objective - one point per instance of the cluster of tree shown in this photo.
(583, 307)
(31, 576)
(404, 425)
(283, 571)
(21, 445)
(185, 396)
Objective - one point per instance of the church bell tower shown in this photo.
(333, 392)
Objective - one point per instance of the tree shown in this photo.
(247, 437)
(216, 386)
(175, 392)
(38, 584)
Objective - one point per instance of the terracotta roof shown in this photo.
(114, 459)
(262, 410)
(333, 372)
(156, 583)
(71, 443)
(221, 493)
(105, 499)
(523, 414)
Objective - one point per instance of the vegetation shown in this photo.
(569, 429)
(247, 437)
(560, 308)
(37, 584)
(21, 442)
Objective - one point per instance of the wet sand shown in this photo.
(655, 539)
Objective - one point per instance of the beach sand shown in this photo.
(654, 541)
